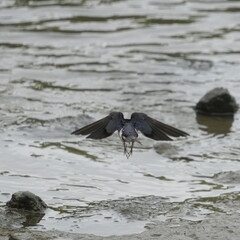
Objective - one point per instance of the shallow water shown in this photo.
(66, 63)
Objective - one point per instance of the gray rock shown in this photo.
(27, 201)
(218, 102)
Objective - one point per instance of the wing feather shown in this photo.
(169, 130)
(102, 128)
(99, 132)
(91, 127)
(157, 134)
(154, 129)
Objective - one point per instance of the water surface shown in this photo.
(66, 63)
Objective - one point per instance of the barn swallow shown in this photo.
(128, 129)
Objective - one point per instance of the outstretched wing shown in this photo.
(104, 127)
(154, 129)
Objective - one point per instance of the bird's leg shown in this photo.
(124, 147)
(128, 154)
(126, 151)
(124, 143)
(131, 149)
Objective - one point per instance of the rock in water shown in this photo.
(217, 102)
(27, 201)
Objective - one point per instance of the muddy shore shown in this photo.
(184, 221)
(215, 226)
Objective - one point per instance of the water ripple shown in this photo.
(67, 63)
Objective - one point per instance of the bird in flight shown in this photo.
(128, 129)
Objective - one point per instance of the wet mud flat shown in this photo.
(222, 225)
(215, 217)
(215, 226)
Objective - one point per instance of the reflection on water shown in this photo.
(215, 125)
(32, 219)
(66, 63)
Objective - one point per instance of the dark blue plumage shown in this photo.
(128, 129)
